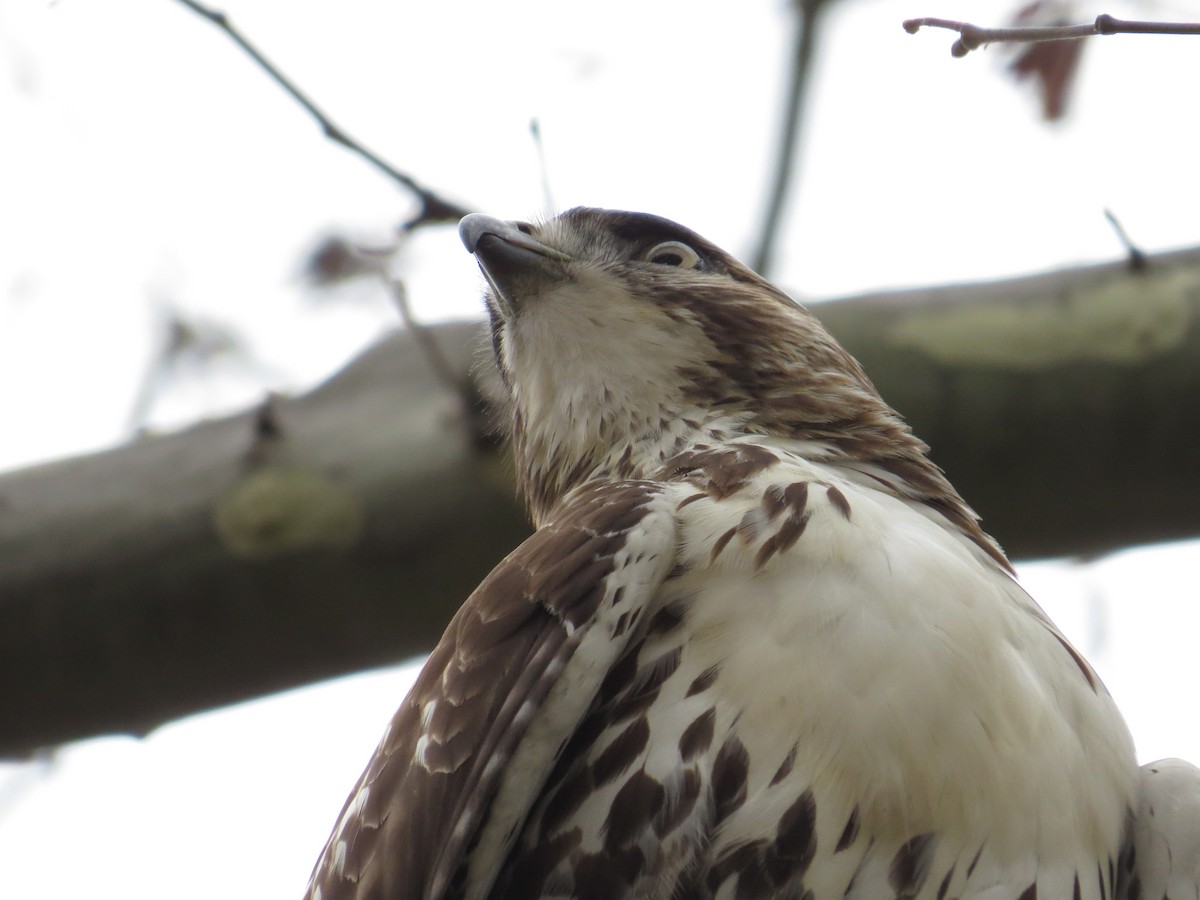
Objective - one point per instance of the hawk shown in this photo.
(758, 646)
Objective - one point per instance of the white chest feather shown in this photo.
(911, 679)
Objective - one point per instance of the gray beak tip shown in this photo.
(475, 226)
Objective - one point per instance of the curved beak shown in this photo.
(512, 261)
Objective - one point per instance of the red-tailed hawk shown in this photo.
(758, 645)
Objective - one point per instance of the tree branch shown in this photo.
(434, 208)
(301, 539)
(785, 164)
(338, 530)
(972, 37)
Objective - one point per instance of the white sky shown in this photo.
(144, 163)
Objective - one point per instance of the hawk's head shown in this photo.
(624, 338)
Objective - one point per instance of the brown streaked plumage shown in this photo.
(758, 645)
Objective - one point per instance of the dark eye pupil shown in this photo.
(668, 259)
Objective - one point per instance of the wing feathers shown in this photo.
(508, 683)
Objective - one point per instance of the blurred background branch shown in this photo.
(229, 560)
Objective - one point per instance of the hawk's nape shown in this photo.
(758, 645)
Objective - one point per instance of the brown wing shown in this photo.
(513, 674)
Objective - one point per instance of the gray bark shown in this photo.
(339, 530)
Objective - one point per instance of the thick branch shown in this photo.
(338, 530)
(972, 37)
(306, 538)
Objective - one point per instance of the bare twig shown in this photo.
(802, 54)
(442, 367)
(187, 343)
(433, 207)
(535, 131)
(972, 37)
(478, 412)
(1137, 257)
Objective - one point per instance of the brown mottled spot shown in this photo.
(945, 885)
(681, 800)
(620, 676)
(697, 737)
(849, 833)
(665, 620)
(623, 622)
(570, 795)
(622, 752)
(1030, 893)
(785, 767)
(720, 543)
(975, 861)
(720, 471)
(646, 683)
(795, 844)
(602, 876)
(530, 870)
(1129, 856)
(795, 498)
(661, 668)
(789, 532)
(838, 500)
(703, 681)
(692, 499)
(910, 865)
(579, 745)
(1135, 890)
(733, 862)
(632, 704)
(729, 773)
(625, 463)
(753, 882)
(750, 526)
(617, 595)
(633, 810)
(772, 502)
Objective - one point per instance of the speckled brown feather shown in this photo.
(407, 826)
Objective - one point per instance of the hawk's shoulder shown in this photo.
(466, 753)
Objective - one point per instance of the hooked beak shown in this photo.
(513, 262)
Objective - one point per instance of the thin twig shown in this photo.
(477, 409)
(434, 208)
(441, 366)
(535, 131)
(802, 54)
(972, 37)
(1137, 257)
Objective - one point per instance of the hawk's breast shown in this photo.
(838, 695)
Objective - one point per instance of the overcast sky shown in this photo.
(148, 167)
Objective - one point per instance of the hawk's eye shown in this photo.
(673, 253)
